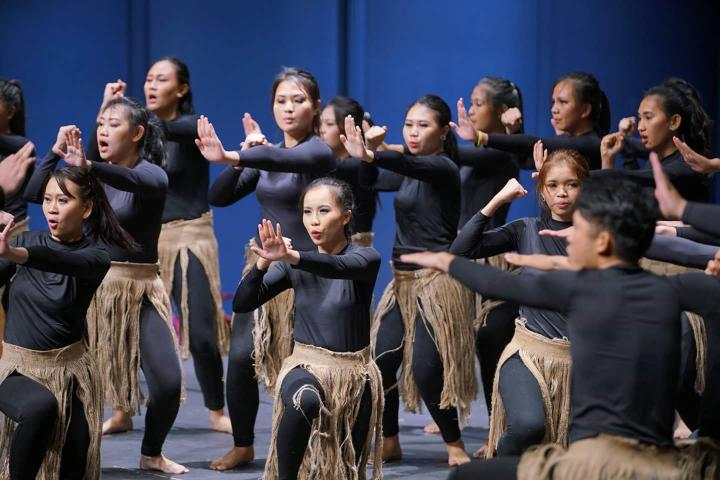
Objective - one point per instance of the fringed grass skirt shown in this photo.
(362, 239)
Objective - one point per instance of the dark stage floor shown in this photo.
(193, 444)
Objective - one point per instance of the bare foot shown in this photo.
(235, 457)
(682, 432)
(481, 452)
(456, 453)
(431, 428)
(391, 450)
(161, 464)
(219, 421)
(120, 421)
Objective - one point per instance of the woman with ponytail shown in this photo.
(423, 320)
(580, 115)
(50, 390)
(129, 324)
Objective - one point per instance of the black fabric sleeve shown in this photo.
(474, 242)
(436, 169)
(361, 264)
(680, 251)
(483, 158)
(7, 270)
(308, 157)
(10, 144)
(93, 151)
(692, 233)
(703, 216)
(88, 263)
(140, 179)
(699, 293)
(257, 287)
(34, 189)
(587, 145)
(550, 290)
(372, 178)
(183, 129)
(232, 185)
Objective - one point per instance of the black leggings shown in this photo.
(295, 424)
(490, 342)
(243, 396)
(427, 368)
(503, 468)
(524, 408)
(687, 400)
(203, 339)
(34, 409)
(709, 417)
(160, 364)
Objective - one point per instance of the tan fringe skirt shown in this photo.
(343, 377)
(614, 457)
(114, 329)
(697, 323)
(197, 236)
(20, 227)
(273, 330)
(61, 371)
(548, 359)
(444, 305)
(362, 239)
(483, 306)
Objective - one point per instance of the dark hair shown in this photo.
(625, 208)
(11, 95)
(343, 196)
(587, 90)
(443, 117)
(679, 97)
(502, 92)
(102, 224)
(308, 83)
(182, 72)
(344, 106)
(151, 144)
(572, 158)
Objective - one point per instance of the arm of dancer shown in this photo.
(521, 144)
(436, 169)
(14, 169)
(680, 251)
(692, 233)
(183, 129)
(485, 159)
(380, 180)
(260, 285)
(232, 185)
(698, 292)
(361, 264)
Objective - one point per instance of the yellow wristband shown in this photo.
(481, 139)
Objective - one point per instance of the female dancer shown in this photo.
(332, 125)
(423, 319)
(278, 175)
(531, 391)
(330, 397)
(129, 325)
(50, 391)
(580, 110)
(187, 247)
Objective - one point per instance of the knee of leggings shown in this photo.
(309, 402)
(203, 344)
(530, 428)
(41, 408)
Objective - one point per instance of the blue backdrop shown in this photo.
(384, 53)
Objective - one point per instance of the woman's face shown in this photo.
(293, 109)
(560, 191)
(421, 131)
(655, 127)
(329, 129)
(163, 91)
(323, 218)
(65, 213)
(568, 114)
(482, 111)
(117, 138)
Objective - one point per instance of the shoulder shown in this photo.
(155, 171)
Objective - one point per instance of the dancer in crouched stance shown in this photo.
(330, 397)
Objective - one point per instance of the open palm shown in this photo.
(208, 142)
(273, 246)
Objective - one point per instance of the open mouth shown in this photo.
(53, 224)
(103, 145)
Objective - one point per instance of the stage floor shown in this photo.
(193, 444)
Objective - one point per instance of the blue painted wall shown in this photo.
(383, 53)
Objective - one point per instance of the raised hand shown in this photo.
(7, 222)
(672, 204)
(435, 260)
(253, 134)
(61, 141)
(464, 128)
(610, 146)
(209, 144)
(512, 120)
(540, 262)
(75, 154)
(354, 143)
(114, 90)
(665, 230)
(699, 163)
(511, 191)
(13, 169)
(250, 125)
(565, 233)
(274, 247)
(540, 155)
(713, 266)
(627, 125)
(375, 137)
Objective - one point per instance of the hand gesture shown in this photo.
(13, 169)
(250, 125)
(436, 260)
(511, 192)
(61, 141)
(610, 146)
(713, 266)
(565, 233)
(273, 246)
(375, 137)
(253, 134)
(208, 142)
(75, 154)
(672, 204)
(464, 128)
(512, 120)
(114, 90)
(7, 222)
(665, 230)
(540, 262)
(540, 154)
(627, 125)
(354, 143)
(699, 163)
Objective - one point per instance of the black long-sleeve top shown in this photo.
(588, 144)
(681, 251)
(348, 170)
(137, 195)
(691, 185)
(625, 339)
(15, 204)
(427, 203)
(484, 172)
(703, 216)
(333, 294)
(692, 233)
(278, 176)
(48, 297)
(475, 241)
